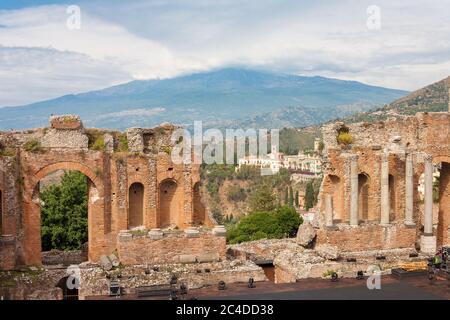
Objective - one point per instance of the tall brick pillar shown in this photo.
(409, 191)
(328, 210)
(427, 240)
(385, 206)
(354, 191)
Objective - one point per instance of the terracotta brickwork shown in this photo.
(421, 138)
(112, 174)
(370, 236)
(173, 247)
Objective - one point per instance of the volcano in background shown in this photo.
(229, 97)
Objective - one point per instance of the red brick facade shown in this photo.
(110, 175)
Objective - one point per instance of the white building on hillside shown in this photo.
(302, 162)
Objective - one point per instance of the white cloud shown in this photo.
(150, 39)
(141, 112)
(33, 74)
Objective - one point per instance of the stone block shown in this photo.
(208, 257)
(66, 122)
(187, 258)
(191, 233)
(219, 231)
(305, 234)
(105, 263)
(109, 142)
(428, 244)
(114, 260)
(125, 236)
(155, 234)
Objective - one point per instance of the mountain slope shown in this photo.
(224, 95)
(432, 98)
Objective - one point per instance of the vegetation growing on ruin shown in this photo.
(69, 119)
(64, 213)
(281, 222)
(123, 142)
(96, 141)
(99, 144)
(167, 149)
(32, 145)
(7, 152)
(345, 138)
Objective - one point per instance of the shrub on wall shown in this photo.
(345, 138)
(32, 145)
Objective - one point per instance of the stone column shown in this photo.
(385, 205)
(328, 210)
(427, 240)
(354, 191)
(428, 214)
(409, 191)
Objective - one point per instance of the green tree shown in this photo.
(291, 196)
(276, 224)
(296, 199)
(286, 196)
(262, 199)
(64, 213)
(309, 196)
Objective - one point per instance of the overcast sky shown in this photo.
(118, 41)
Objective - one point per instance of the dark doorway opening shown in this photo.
(68, 294)
(268, 268)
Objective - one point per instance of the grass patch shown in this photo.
(32, 145)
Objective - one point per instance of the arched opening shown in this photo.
(392, 198)
(63, 199)
(336, 194)
(442, 188)
(170, 203)
(199, 208)
(363, 196)
(68, 294)
(136, 205)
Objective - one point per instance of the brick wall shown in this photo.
(144, 250)
(368, 237)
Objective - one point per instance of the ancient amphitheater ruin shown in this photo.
(369, 206)
(370, 198)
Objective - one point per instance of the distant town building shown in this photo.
(305, 166)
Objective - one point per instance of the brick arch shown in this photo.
(170, 195)
(333, 185)
(441, 158)
(67, 165)
(443, 214)
(32, 211)
(364, 192)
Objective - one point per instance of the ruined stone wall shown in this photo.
(27, 157)
(419, 137)
(371, 236)
(170, 247)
